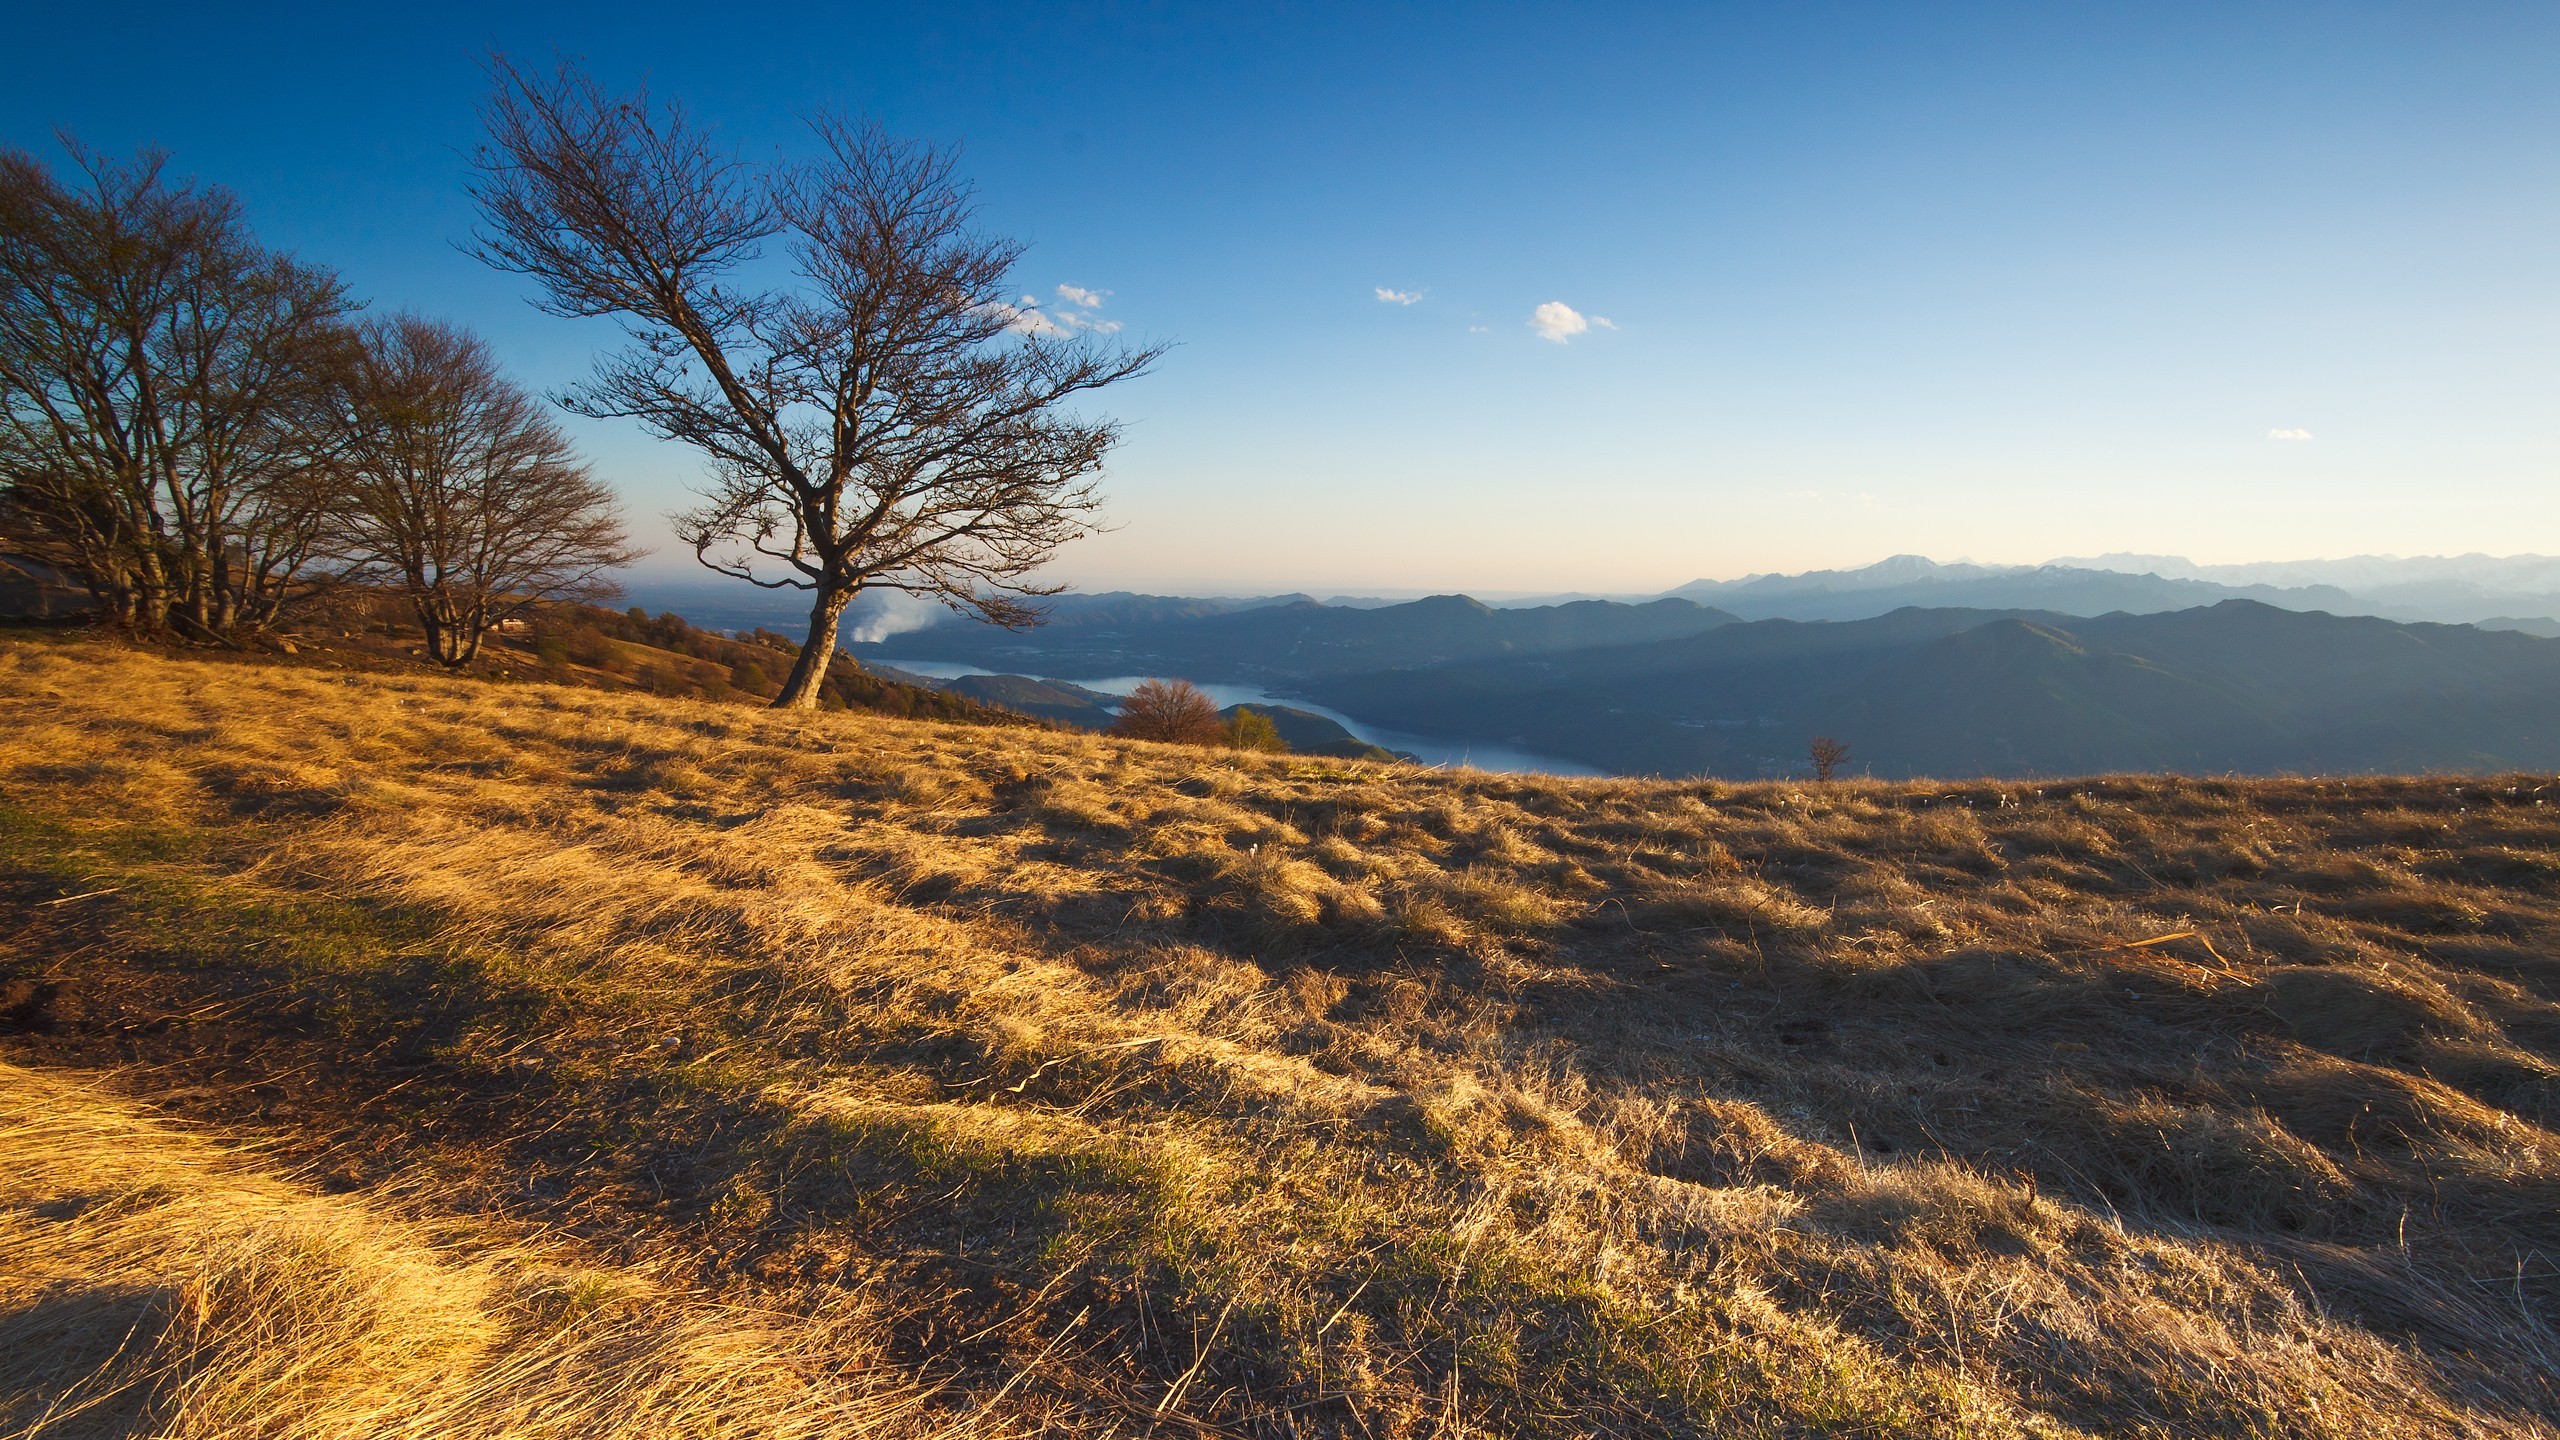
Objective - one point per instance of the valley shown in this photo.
(1671, 688)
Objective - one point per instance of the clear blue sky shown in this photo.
(1997, 282)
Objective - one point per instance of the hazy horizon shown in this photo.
(657, 571)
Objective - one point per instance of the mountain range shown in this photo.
(1673, 687)
(2237, 687)
(1296, 638)
(1907, 580)
(2501, 592)
(2516, 590)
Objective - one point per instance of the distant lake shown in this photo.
(1431, 749)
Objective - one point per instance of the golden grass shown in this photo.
(154, 1283)
(1108, 1086)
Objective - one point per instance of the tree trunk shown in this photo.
(809, 672)
(451, 643)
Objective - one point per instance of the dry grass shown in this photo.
(153, 1283)
(1110, 1087)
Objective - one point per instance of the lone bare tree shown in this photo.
(881, 418)
(1827, 755)
(459, 490)
(163, 394)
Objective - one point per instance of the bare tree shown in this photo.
(461, 492)
(1170, 710)
(1827, 755)
(881, 418)
(163, 386)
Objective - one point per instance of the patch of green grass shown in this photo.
(164, 899)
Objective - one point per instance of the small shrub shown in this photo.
(1173, 711)
(1253, 730)
(590, 648)
(1827, 756)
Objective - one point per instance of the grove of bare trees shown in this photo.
(873, 411)
(460, 492)
(198, 428)
(166, 429)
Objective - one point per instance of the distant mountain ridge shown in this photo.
(2238, 687)
(1673, 687)
(2456, 589)
(1301, 638)
(1907, 580)
(2509, 592)
(2460, 589)
(2536, 574)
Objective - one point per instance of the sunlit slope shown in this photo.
(154, 1283)
(1098, 1086)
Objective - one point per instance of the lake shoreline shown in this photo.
(1457, 751)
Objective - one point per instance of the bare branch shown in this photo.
(163, 425)
(878, 419)
(460, 492)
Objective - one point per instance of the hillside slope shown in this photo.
(622, 1063)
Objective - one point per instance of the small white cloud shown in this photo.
(2288, 434)
(1604, 322)
(1558, 322)
(1398, 297)
(1028, 318)
(1477, 329)
(1031, 321)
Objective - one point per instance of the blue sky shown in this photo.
(1983, 281)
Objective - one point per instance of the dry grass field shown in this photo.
(412, 1056)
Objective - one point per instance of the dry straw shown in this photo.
(1057, 1082)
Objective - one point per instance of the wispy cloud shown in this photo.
(1026, 318)
(1398, 297)
(2288, 434)
(1074, 312)
(1560, 322)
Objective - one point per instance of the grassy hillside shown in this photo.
(410, 1056)
(663, 655)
